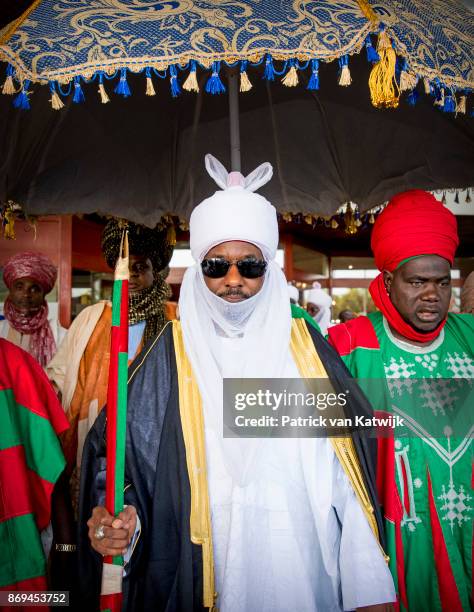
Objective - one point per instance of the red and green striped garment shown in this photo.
(31, 461)
(424, 483)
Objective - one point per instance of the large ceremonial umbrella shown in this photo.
(96, 138)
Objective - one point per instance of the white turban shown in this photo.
(258, 328)
(235, 213)
(293, 293)
(323, 301)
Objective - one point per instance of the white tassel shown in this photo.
(245, 84)
(345, 78)
(150, 90)
(56, 101)
(291, 78)
(461, 105)
(104, 98)
(426, 83)
(8, 86)
(408, 81)
(191, 83)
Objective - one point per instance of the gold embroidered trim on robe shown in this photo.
(192, 422)
(310, 366)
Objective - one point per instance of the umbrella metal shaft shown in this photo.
(233, 80)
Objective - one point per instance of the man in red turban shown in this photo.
(410, 344)
(29, 277)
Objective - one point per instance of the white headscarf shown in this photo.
(323, 301)
(293, 293)
(261, 323)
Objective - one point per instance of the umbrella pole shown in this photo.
(233, 80)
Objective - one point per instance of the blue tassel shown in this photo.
(344, 73)
(175, 88)
(122, 88)
(449, 103)
(78, 97)
(269, 73)
(214, 84)
(21, 100)
(412, 97)
(372, 56)
(314, 79)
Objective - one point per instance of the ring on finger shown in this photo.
(99, 533)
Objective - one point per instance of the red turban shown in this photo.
(39, 268)
(414, 223)
(32, 265)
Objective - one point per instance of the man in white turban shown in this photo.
(318, 305)
(231, 523)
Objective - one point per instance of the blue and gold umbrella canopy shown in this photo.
(64, 43)
(120, 110)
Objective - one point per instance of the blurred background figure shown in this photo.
(346, 315)
(29, 277)
(467, 295)
(318, 305)
(293, 294)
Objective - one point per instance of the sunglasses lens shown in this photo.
(215, 268)
(252, 268)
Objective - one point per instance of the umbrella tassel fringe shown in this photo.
(269, 72)
(78, 97)
(122, 88)
(449, 103)
(291, 78)
(345, 77)
(313, 84)
(21, 101)
(214, 84)
(439, 101)
(461, 105)
(174, 83)
(408, 81)
(412, 97)
(104, 98)
(427, 86)
(56, 102)
(245, 84)
(150, 90)
(9, 87)
(382, 82)
(191, 83)
(372, 55)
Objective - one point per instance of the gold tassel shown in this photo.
(191, 83)
(291, 78)
(9, 228)
(245, 84)
(334, 223)
(382, 82)
(345, 78)
(287, 217)
(150, 90)
(171, 235)
(461, 105)
(8, 87)
(372, 219)
(408, 81)
(104, 98)
(56, 101)
(309, 219)
(426, 83)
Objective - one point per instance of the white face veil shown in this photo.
(261, 324)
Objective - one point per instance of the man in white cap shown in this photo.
(318, 305)
(234, 524)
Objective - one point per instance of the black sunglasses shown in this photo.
(249, 267)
